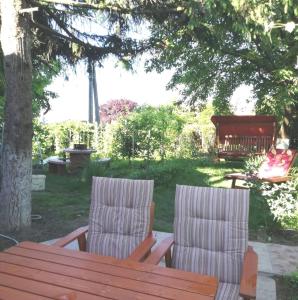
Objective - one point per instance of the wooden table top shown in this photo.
(36, 271)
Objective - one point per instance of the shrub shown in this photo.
(283, 200)
(189, 142)
(253, 163)
(148, 133)
(114, 109)
(206, 128)
(162, 173)
(42, 143)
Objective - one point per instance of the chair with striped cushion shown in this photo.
(210, 237)
(120, 220)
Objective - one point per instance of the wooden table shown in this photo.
(36, 271)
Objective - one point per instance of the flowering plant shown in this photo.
(282, 198)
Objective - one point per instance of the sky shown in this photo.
(114, 82)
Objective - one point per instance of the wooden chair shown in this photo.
(274, 169)
(211, 237)
(120, 221)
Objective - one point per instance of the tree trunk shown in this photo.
(16, 162)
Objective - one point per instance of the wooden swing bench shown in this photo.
(241, 136)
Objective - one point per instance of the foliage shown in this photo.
(287, 286)
(215, 46)
(283, 200)
(162, 172)
(113, 109)
(206, 128)
(292, 279)
(42, 77)
(105, 146)
(51, 139)
(148, 132)
(253, 163)
(63, 31)
(64, 204)
(188, 143)
(42, 143)
(68, 133)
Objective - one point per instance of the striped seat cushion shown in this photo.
(119, 215)
(227, 291)
(211, 231)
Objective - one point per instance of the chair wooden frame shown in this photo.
(139, 254)
(248, 282)
(277, 179)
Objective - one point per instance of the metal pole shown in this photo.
(89, 70)
(96, 105)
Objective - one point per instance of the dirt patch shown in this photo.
(284, 237)
(45, 229)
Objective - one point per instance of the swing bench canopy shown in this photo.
(240, 136)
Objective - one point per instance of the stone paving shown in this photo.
(273, 259)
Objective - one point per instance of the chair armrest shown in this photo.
(141, 252)
(78, 234)
(276, 179)
(162, 250)
(248, 283)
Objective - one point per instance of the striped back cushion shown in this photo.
(211, 231)
(119, 215)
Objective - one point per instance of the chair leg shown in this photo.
(168, 259)
(82, 242)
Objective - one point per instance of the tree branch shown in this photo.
(116, 8)
(63, 27)
(80, 4)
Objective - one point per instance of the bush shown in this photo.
(162, 173)
(50, 139)
(282, 198)
(42, 143)
(148, 133)
(253, 163)
(283, 201)
(206, 128)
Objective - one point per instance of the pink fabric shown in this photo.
(277, 163)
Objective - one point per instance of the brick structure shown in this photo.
(78, 159)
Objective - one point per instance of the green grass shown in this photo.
(67, 197)
(287, 286)
(64, 205)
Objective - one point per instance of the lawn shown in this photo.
(64, 205)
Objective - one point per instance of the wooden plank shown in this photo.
(99, 289)
(143, 249)
(7, 293)
(248, 283)
(172, 273)
(44, 289)
(78, 234)
(109, 275)
(163, 250)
